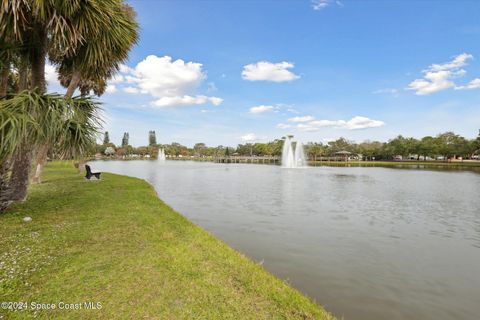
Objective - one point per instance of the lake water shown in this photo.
(366, 243)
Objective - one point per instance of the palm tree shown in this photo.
(98, 59)
(35, 26)
(31, 29)
(70, 124)
(94, 61)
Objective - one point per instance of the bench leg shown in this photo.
(97, 175)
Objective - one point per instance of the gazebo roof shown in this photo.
(343, 152)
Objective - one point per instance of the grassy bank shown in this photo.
(405, 164)
(114, 242)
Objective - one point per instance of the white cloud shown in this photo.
(359, 122)
(160, 76)
(283, 126)
(261, 109)
(171, 82)
(458, 62)
(308, 123)
(216, 101)
(292, 110)
(267, 71)
(249, 137)
(111, 88)
(439, 77)
(118, 78)
(322, 4)
(301, 119)
(51, 76)
(125, 69)
(186, 100)
(474, 84)
(433, 82)
(131, 90)
(131, 79)
(307, 127)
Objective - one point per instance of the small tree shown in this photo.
(199, 149)
(153, 152)
(125, 139)
(142, 151)
(476, 143)
(106, 138)
(152, 138)
(121, 152)
(109, 151)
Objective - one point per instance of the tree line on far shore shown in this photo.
(443, 146)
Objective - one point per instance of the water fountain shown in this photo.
(293, 158)
(161, 155)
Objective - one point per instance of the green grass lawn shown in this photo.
(114, 242)
(413, 164)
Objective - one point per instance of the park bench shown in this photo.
(91, 173)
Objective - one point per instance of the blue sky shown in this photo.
(226, 72)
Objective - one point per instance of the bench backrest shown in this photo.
(87, 168)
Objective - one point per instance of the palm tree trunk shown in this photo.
(72, 86)
(41, 156)
(21, 173)
(4, 185)
(23, 78)
(43, 150)
(37, 61)
(22, 163)
(3, 79)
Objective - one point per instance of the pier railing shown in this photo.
(246, 159)
(257, 159)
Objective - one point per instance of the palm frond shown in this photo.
(16, 123)
(109, 42)
(70, 124)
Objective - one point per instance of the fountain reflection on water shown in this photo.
(293, 158)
